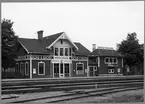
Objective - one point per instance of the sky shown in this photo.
(102, 23)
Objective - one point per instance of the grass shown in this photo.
(127, 97)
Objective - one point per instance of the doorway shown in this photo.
(93, 70)
(61, 70)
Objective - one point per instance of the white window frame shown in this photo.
(43, 69)
(26, 69)
(110, 70)
(58, 51)
(67, 51)
(109, 60)
(70, 53)
(82, 66)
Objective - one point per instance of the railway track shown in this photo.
(79, 94)
(30, 86)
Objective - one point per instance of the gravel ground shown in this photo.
(132, 97)
(129, 97)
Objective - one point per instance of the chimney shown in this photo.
(40, 34)
(94, 46)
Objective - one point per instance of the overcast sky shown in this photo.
(101, 23)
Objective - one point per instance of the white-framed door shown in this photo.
(92, 70)
(61, 70)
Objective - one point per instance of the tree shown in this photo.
(9, 44)
(132, 51)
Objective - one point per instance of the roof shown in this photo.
(106, 52)
(81, 49)
(50, 39)
(37, 46)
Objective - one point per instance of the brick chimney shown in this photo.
(93, 47)
(40, 34)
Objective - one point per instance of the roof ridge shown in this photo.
(53, 34)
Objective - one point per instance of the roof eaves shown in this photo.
(23, 46)
(54, 41)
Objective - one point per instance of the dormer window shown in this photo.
(61, 41)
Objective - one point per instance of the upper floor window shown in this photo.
(66, 51)
(56, 52)
(61, 41)
(110, 60)
(61, 51)
(70, 51)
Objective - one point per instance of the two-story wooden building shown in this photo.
(54, 56)
(105, 61)
(57, 56)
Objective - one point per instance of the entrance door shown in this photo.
(66, 70)
(61, 74)
(93, 70)
(56, 70)
(61, 70)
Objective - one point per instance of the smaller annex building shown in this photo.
(105, 61)
(54, 56)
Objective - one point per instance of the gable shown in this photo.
(65, 43)
(63, 36)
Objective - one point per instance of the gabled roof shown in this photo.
(37, 46)
(50, 39)
(32, 45)
(105, 52)
(81, 49)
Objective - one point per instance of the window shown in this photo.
(41, 68)
(21, 68)
(110, 60)
(26, 68)
(66, 68)
(56, 52)
(69, 51)
(61, 51)
(17, 67)
(111, 71)
(115, 60)
(80, 69)
(106, 60)
(66, 51)
(61, 41)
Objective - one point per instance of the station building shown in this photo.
(54, 56)
(57, 56)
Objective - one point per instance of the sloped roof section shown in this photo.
(39, 46)
(32, 45)
(81, 49)
(105, 52)
(50, 39)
